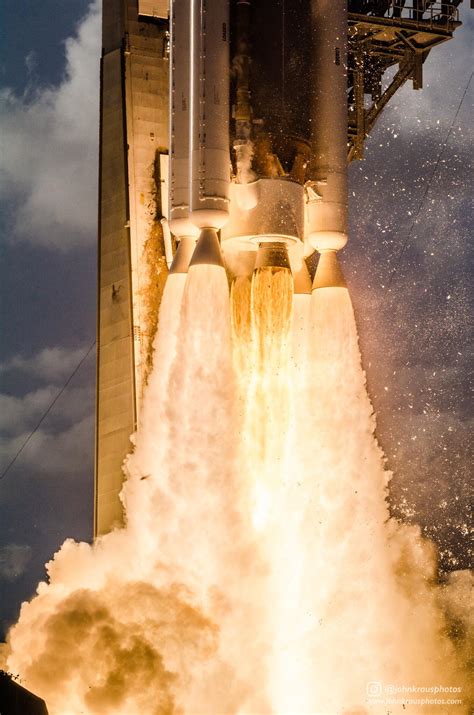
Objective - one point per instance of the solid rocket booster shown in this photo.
(179, 121)
(327, 184)
(210, 162)
(327, 209)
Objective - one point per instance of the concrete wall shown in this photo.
(134, 131)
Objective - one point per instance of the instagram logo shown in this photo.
(374, 689)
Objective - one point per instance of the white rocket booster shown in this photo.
(210, 161)
(327, 211)
(209, 151)
(179, 121)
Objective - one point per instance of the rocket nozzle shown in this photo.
(183, 255)
(328, 272)
(272, 253)
(208, 250)
(302, 283)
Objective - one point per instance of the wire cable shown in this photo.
(428, 185)
(47, 411)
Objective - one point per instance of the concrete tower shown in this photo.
(132, 267)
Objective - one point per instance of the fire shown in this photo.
(261, 326)
(259, 571)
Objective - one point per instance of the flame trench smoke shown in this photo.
(259, 571)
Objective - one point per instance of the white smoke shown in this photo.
(207, 602)
(244, 151)
(367, 584)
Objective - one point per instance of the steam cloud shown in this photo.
(259, 571)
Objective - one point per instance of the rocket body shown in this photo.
(179, 120)
(327, 173)
(209, 152)
(238, 173)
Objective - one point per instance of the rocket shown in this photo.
(258, 177)
(231, 124)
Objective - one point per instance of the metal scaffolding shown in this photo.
(385, 34)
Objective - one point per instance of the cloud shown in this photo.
(67, 450)
(31, 61)
(66, 433)
(49, 146)
(14, 559)
(18, 414)
(50, 364)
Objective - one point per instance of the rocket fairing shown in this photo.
(278, 185)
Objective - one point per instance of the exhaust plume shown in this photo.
(259, 570)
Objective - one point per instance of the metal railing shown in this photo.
(431, 14)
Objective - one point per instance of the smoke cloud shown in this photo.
(259, 555)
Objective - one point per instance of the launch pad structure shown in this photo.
(136, 246)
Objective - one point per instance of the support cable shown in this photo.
(47, 411)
